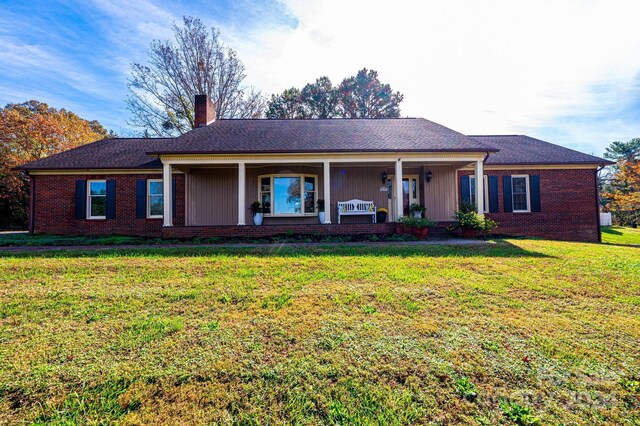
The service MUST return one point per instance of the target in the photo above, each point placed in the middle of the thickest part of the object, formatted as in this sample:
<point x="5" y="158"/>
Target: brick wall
<point x="568" y="206"/>
<point x="55" y="207"/>
<point x="567" y="197"/>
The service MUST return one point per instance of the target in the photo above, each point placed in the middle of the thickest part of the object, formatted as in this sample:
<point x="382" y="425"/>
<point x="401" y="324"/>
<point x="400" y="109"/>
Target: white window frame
<point x="89" y="196"/>
<point x="301" y="176"/>
<point x="527" y="188"/>
<point x="149" y="215"/>
<point x="472" y="192"/>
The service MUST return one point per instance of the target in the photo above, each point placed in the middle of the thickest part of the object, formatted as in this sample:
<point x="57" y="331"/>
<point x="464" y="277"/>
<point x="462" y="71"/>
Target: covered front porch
<point x="219" y="191"/>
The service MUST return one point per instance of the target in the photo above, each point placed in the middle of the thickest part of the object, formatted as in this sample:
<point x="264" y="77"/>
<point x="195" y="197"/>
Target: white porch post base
<point x="327" y="192"/>
<point x="167" y="196"/>
<point x="241" y="193"/>
<point x="480" y="186"/>
<point x="398" y="189"/>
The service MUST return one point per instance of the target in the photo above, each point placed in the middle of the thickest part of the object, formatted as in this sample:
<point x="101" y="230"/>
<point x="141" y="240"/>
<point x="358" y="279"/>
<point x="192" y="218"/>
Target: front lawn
<point x="620" y="235"/>
<point x="383" y="334"/>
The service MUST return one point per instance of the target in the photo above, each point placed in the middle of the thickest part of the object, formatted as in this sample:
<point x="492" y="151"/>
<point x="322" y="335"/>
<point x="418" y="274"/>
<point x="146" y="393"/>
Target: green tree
<point x="627" y="151"/>
<point x="320" y="99"/>
<point x="288" y="104"/>
<point x="359" y="96"/>
<point x="364" y="96"/>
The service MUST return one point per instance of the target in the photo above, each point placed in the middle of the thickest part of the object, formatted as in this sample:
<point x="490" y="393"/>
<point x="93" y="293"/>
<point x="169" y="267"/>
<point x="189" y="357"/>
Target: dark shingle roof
<point x="257" y="136"/>
<point x="119" y="153"/>
<point x="520" y="149"/>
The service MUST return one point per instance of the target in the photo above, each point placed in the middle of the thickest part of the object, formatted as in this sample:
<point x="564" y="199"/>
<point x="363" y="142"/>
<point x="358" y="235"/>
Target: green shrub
<point x="466" y="389"/>
<point x="472" y="220"/>
<point x="518" y="414"/>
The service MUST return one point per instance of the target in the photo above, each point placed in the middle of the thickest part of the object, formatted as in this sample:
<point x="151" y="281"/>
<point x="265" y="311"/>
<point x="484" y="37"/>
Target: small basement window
<point x="520" y="193"/>
<point x="155" y="204"/>
<point x="96" y="199"/>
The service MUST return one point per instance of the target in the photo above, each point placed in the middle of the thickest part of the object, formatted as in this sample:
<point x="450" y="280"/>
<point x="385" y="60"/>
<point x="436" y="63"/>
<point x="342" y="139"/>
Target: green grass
<point x="620" y="235"/>
<point x="516" y="332"/>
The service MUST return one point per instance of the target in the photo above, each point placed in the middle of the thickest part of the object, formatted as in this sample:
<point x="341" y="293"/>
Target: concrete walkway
<point x="446" y="241"/>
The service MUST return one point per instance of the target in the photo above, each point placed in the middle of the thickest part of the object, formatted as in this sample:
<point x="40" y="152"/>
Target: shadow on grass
<point x="500" y="248"/>
<point x="610" y="230"/>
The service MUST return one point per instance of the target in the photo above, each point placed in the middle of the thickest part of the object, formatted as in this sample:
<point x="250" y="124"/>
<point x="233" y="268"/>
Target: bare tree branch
<point x="161" y="94"/>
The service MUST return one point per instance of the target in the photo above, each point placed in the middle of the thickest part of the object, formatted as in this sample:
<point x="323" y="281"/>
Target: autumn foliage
<point x="28" y="132"/>
<point x="624" y="193"/>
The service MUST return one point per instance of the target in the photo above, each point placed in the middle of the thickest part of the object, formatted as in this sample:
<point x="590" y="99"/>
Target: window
<point x="288" y="195"/>
<point x="97" y="199"/>
<point x="472" y="192"/>
<point x="155" y="205"/>
<point x="265" y="194"/>
<point x="520" y="193"/>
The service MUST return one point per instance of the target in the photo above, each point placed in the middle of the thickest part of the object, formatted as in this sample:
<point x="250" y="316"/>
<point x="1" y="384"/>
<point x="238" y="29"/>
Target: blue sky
<point x="567" y="72"/>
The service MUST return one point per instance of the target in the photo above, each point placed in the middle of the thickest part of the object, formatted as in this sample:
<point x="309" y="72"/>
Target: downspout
<point x="32" y="204"/>
<point x="598" y="202"/>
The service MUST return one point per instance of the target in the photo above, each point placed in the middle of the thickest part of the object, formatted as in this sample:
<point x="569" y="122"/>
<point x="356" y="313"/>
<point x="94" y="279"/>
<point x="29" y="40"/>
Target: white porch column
<point x="241" y="192"/>
<point x="326" y="178"/>
<point x="167" y="196"/>
<point x="398" y="189"/>
<point x="480" y="186"/>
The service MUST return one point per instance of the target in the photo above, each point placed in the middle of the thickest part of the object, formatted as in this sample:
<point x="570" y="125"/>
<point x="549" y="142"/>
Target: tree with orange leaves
<point x="30" y="131"/>
<point x="624" y="193"/>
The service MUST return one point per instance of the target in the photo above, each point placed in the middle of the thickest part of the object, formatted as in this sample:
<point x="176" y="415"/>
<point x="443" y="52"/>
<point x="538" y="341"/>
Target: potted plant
<point x="320" y="207"/>
<point x="256" y="211"/>
<point x="404" y="225"/>
<point x="421" y="227"/>
<point x="381" y="215"/>
<point x="471" y="223"/>
<point x="416" y="210"/>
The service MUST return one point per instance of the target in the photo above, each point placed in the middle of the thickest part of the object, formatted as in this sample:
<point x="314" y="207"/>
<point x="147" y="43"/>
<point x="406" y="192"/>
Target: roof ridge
<point x="316" y="119"/>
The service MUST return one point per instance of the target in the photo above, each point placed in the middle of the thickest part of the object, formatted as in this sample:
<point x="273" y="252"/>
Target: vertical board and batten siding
<point x="251" y="193"/>
<point x="440" y="194"/>
<point x="361" y="182"/>
<point x="212" y="193"/>
<point x="212" y="196"/>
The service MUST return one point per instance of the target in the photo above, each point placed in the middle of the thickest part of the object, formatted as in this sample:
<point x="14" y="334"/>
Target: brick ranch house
<point x="210" y="176"/>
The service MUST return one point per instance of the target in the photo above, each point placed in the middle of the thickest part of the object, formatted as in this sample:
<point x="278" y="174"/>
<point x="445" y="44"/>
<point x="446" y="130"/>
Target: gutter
<point x="602" y="166"/>
<point x="32" y="203"/>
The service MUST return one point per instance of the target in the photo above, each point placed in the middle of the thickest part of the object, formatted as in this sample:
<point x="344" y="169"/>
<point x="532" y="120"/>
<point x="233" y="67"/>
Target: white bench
<point x="356" y="208"/>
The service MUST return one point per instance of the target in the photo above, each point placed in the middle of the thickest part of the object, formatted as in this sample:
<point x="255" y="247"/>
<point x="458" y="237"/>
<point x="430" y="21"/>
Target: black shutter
<point x="493" y="194"/>
<point x="508" y="198"/>
<point x="465" y="189"/>
<point x="173" y="198"/>
<point x="141" y="198"/>
<point x="111" y="199"/>
<point x="81" y="199"/>
<point x="534" y="182"/>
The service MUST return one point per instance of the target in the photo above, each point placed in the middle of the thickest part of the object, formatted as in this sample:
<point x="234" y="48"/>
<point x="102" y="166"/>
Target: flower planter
<point x="469" y="233"/>
<point x="420" y="233"/>
<point x="257" y="219"/>
<point x="417" y="214"/>
<point x="381" y="217"/>
<point x="321" y="217"/>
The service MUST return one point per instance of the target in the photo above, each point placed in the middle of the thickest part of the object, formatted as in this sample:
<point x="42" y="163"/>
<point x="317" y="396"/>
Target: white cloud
<point x="479" y="67"/>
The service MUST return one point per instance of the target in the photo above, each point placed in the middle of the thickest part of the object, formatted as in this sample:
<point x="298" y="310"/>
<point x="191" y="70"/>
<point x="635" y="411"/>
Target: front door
<point x="410" y="194"/>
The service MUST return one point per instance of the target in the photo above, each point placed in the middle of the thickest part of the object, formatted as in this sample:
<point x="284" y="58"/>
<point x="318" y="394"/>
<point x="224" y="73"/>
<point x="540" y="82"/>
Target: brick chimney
<point x="205" y="111"/>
